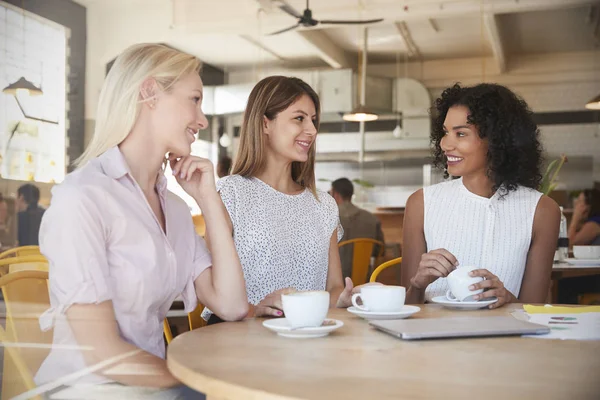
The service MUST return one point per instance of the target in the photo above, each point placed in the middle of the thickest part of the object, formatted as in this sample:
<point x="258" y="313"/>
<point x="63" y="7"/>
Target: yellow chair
<point x="195" y="318"/>
<point x="361" y="257"/>
<point x="26" y="298"/>
<point x="195" y="321"/>
<point x="383" y="266"/>
<point x="21" y="251"/>
<point x="30" y="262"/>
<point x="199" y="224"/>
<point x="12" y="354"/>
<point x="167" y="331"/>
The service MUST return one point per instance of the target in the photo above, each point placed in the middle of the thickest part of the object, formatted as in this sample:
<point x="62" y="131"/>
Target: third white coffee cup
<point x="459" y="282"/>
<point x="380" y="298"/>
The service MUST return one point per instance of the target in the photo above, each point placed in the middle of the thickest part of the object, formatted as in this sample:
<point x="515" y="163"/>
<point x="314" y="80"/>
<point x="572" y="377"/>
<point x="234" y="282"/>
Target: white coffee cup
<point x="586" y="252"/>
<point x="459" y="281"/>
<point x="380" y="298"/>
<point x="305" y="309"/>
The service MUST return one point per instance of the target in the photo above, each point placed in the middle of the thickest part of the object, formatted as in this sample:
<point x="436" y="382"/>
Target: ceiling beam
<point x="261" y="46"/>
<point x="434" y="25"/>
<point x="326" y="48"/>
<point x="491" y="23"/>
<point x="411" y="47"/>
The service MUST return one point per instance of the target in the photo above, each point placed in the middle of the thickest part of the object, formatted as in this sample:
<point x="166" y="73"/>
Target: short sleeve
<point x="202" y="261"/>
<point x="73" y="239"/>
<point x="333" y="213"/>
<point x="226" y="188"/>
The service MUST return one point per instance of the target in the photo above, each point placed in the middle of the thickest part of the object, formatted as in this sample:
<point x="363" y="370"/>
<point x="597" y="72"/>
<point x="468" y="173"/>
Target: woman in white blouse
<point x="492" y="217"/>
<point x="121" y="246"/>
<point x="285" y="230"/>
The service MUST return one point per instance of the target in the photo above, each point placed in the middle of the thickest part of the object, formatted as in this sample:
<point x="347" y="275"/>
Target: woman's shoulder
<point x="324" y="199"/>
<point x="232" y="182"/>
<point x="547" y="211"/>
<point x="87" y="182"/>
<point x="444" y="186"/>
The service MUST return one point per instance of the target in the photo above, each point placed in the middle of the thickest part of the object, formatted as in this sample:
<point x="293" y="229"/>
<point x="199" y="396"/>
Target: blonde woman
<point x="121" y="246"/>
<point x="285" y="230"/>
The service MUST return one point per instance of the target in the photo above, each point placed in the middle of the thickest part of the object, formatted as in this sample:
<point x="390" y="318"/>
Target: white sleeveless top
<point x="494" y="233"/>
<point x="282" y="240"/>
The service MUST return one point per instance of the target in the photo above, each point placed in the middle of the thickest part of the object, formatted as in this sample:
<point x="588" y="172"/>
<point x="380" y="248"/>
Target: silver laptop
<point x="455" y="327"/>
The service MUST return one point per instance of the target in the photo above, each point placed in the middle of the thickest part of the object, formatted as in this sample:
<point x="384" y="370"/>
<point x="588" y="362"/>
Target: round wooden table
<point x="244" y="360"/>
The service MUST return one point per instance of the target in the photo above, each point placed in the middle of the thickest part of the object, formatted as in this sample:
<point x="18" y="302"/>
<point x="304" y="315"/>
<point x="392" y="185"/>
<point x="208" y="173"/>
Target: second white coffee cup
<point x="459" y="281"/>
<point x="380" y="298"/>
<point x="305" y="309"/>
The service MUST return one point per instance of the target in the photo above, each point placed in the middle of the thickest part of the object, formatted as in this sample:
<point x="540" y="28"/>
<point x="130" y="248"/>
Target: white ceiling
<point x="231" y="33"/>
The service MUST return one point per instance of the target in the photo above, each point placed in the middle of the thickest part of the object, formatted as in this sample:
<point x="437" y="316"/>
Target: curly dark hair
<point x="504" y="119"/>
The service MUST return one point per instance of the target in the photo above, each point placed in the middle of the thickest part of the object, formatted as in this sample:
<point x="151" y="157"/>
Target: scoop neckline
<point x="279" y="192"/>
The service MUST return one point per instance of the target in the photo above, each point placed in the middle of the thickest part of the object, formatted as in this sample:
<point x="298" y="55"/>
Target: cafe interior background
<point x="546" y="51"/>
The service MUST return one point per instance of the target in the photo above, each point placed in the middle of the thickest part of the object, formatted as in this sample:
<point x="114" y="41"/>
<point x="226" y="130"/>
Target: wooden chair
<point x="383" y="266"/>
<point x="21" y="251"/>
<point x="26" y="298"/>
<point x="361" y="257"/>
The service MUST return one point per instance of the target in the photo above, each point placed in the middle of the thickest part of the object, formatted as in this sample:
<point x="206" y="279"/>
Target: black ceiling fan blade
<point x="354" y="22"/>
<point x="284" y="30"/>
<point x="286" y="8"/>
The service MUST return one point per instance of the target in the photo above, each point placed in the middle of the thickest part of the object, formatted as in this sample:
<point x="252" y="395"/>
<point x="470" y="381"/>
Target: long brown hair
<point x="268" y="98"/>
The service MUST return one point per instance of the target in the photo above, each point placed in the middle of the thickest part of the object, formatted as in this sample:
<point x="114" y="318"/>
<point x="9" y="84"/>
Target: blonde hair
<point x="119" y="103"/>
<point x="268" y="98"/>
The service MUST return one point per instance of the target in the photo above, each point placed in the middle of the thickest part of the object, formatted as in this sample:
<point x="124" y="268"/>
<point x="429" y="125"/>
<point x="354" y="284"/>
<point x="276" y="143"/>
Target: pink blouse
<point x="104" y="242"/>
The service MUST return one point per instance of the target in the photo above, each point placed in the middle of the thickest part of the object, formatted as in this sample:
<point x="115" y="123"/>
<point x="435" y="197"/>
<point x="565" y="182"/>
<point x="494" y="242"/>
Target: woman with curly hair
<point x="492" y="217"/>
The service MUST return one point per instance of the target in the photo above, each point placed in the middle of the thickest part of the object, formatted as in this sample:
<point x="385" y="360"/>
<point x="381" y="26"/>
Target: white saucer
<point x="282" y="327"/>
<point x="463" y="305"/>
<point x="580" y="261"/>
<point x="405" y="312"/>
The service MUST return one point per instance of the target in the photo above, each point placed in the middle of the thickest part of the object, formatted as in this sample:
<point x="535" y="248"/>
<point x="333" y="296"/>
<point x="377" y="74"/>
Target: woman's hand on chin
<point x="195" y="175"/>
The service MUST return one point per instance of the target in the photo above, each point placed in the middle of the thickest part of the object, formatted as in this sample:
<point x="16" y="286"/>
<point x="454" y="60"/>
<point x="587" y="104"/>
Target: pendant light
<point x="593" y="104"/>
<point x="22" y="86"/>
<point x="362" y="113"/>
<point x="397" y="132"/>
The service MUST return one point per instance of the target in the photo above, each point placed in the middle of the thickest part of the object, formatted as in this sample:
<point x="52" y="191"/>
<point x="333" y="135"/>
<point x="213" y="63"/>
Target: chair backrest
<point x="23" y="263"/>
<point x="195" y="318"/>
<point x="21" y="251"/>
<point x="195" y="321"/>
<point x="361" y="257"/>
<point x="199" y="224"/>
<point x="167" y="331"/>
<point x="26" y="298"/>
<point x="383" y="266"/>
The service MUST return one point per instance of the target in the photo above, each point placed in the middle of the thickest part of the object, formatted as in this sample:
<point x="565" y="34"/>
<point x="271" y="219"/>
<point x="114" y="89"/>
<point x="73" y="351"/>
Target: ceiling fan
<point x="306" y="18"/>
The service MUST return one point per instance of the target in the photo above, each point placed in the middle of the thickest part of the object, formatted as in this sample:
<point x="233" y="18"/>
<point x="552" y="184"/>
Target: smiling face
<point x="292" y="133"/>
<point x="465" y="151"/>
<point x="177" y="115"/>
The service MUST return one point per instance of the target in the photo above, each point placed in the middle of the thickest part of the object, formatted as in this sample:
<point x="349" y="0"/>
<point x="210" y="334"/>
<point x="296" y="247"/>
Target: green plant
<point x="548" y="184"/>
